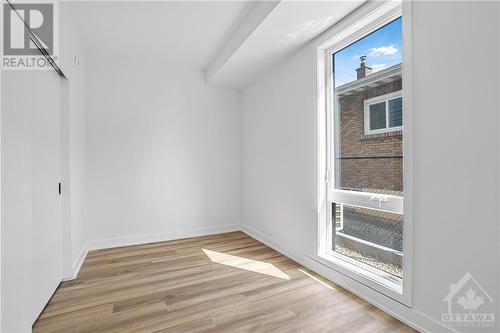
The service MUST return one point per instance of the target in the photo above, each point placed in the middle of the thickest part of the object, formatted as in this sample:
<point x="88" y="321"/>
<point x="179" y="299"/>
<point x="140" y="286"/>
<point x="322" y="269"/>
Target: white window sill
<point x="374" y="278"/>
<point x="382" y="135"/>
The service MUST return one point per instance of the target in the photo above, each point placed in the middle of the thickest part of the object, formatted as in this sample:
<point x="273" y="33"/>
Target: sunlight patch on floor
<point x="246" y="264"/>
<point x="317" y="280"/>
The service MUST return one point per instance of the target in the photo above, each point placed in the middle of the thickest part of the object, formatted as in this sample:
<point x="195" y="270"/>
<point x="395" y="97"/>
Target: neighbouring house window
<point x="384" y="113"/>
<point x="365" y="182"/>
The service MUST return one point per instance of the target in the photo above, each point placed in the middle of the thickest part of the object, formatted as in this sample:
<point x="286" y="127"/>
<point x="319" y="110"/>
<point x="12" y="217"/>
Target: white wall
<point x="73" y="139"/>
<point x="456" y="148"/>
<point x="163" y="153"/>
<point x="455" y="145"/>
<point x="1" y="186"/>
<point x="278" y="165"/>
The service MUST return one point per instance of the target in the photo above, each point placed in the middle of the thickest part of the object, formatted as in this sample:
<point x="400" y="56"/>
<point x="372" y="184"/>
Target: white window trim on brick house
<point x="375" y="100"/>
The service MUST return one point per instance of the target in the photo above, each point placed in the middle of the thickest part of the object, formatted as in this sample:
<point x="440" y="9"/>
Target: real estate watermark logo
<point x="28" y="35"/>
<point x="468" y="305"/>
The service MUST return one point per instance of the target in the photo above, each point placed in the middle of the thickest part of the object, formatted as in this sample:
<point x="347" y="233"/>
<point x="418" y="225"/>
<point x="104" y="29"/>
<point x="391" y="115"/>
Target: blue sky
<point x="382" y="48"/>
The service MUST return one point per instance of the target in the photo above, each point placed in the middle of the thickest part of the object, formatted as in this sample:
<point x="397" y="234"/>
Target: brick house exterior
<point x="368" y="162"/>
<point x="370" y="159"/>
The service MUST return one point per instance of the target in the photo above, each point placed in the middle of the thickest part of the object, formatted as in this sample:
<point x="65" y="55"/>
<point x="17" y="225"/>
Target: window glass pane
<point x="363" y="161"/>
<point x="377" y="116"/>
<point x="371" y="236"/>
<point x="396" y="112"/>
<point x="368" y="162"/>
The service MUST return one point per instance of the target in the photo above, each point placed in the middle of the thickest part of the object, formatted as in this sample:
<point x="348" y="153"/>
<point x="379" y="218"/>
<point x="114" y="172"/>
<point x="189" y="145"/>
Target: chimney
<point x="363" y="69"/>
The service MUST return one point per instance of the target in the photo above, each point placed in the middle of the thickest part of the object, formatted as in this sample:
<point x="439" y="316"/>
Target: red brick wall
<point x="368" y="161"/>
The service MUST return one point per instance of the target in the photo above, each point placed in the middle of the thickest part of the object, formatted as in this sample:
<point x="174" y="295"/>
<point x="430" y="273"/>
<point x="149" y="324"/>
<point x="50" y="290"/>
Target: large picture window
<point x="363" y="231"/>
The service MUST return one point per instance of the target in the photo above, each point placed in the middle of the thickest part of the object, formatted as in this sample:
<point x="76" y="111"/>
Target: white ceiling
<point x="235" y="41"/>
<point x="289" y="26"/>
<point x="182" y="33"/>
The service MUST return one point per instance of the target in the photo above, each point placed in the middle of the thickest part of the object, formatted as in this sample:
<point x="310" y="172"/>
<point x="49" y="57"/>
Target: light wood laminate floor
<point x="221" y="283"/>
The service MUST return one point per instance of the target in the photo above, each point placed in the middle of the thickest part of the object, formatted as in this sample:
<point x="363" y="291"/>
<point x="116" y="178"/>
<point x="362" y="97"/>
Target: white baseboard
<point x="159" y="237"/>
<point x="146" y="239"/>
<point x="79" y="262"/>
<point x="411" y="317"/>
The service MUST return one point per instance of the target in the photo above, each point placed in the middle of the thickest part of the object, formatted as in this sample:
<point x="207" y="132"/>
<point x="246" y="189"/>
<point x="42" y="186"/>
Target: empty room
<point x="250" y="166"/>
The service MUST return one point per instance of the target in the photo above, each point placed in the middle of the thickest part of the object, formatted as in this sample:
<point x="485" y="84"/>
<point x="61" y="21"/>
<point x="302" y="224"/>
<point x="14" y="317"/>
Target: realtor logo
<point x="467" y="301"/>
<point x="28" y="28"/>
<point x="27" y="19"/>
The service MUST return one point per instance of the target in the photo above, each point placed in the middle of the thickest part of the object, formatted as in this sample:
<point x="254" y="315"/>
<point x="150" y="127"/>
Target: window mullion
<point x="386" y="114"/>
<point x="377" y="201"/>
